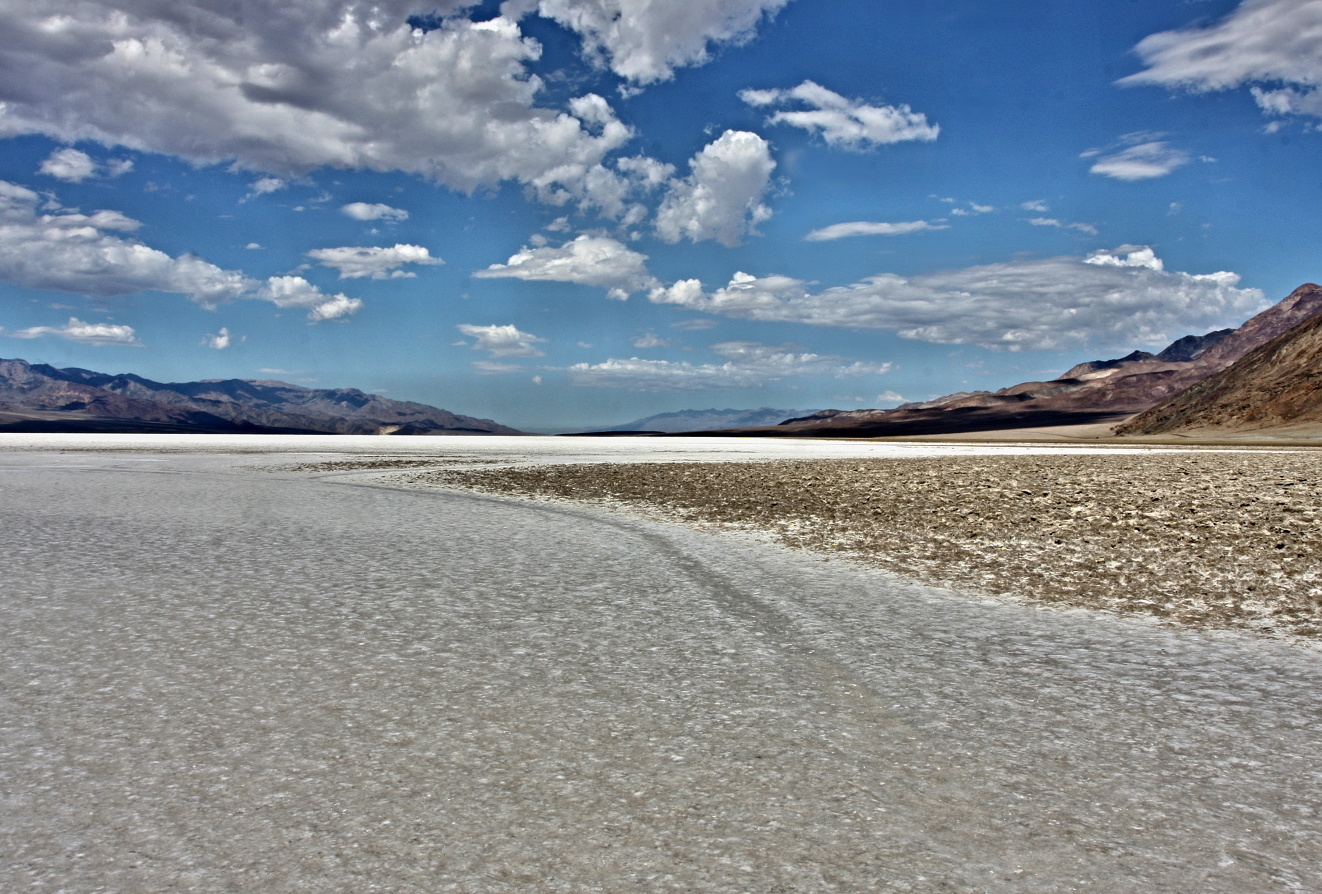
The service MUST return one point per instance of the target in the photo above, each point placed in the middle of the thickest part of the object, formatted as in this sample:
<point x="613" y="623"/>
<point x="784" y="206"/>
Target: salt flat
<point x="218" y="677"/>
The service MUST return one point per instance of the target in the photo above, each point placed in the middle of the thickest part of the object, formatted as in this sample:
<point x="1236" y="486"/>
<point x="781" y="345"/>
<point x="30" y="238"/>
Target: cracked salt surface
<point x="217" y="679"/>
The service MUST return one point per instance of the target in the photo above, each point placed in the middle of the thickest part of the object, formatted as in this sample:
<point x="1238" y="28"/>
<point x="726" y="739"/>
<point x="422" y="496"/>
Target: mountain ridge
<point x="40" y="397"/>
<point x="1276" y="385"/>
<point x="678" y="421"/>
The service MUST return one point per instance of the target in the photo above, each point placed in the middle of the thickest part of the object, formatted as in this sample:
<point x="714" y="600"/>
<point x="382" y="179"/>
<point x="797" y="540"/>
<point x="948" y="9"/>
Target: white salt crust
<point x="220" y="679"/>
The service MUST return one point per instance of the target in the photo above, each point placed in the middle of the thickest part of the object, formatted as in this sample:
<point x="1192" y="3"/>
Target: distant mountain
<point x="37" y="397"/>
<point x="1099" y="391"/>
<point x="708" y="420"/>
<point x="1277" y="385"/>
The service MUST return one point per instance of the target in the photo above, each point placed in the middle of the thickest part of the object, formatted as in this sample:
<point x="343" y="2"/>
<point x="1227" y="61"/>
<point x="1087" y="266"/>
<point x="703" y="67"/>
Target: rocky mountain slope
<point x="37" y="397"/>
<point x="1093" y="392"/>
<point x="1277" y="385"/>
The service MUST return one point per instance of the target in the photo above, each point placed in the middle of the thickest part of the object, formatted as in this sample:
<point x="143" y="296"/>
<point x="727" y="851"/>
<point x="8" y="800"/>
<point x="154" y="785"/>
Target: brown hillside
<point x="1277" y="384"/>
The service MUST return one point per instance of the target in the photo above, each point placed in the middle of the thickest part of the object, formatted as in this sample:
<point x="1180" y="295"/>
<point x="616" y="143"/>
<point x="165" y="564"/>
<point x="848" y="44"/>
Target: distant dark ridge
<point x="38" y="397"/>
<point x="610" y="434"/>
<point x="1192" y="346"/>
<point x="908" y="424"/>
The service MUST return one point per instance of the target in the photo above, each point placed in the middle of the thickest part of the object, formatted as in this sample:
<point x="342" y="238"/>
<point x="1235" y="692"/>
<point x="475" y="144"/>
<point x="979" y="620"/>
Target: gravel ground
<point x="1208" y="539"/>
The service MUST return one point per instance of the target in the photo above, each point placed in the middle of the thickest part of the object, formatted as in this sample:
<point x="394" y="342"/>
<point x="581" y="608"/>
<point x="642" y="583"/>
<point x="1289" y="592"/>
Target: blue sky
<point x="567" y="213"/>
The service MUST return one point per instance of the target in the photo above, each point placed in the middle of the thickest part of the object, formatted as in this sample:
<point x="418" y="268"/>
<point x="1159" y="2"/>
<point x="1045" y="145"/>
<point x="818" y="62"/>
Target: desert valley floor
<point x="279" y="664"/>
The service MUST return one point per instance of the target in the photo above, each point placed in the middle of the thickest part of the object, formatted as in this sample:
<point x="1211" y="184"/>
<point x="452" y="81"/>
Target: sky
<point x="564" y="214"/>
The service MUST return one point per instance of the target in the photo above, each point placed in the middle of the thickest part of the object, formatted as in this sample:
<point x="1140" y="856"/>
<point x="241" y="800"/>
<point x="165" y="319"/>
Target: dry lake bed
<point x="275" y="665"/>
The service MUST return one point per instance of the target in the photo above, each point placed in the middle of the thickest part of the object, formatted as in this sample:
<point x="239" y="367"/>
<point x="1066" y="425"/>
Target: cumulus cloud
<point x="1036" y="205"/>
<point x="845" y="123"/>
<point x="502" y="341"/>
<point x="746" y="365"/>
<point x="374" y="211"/>
<point x="220" y="341"/>
<point x="643" y="41"/>
<point x="75" y="166"/>
<point x="587" y="260"/>
<point x="84" y="333"/>
<point x="1260" y="43"/>
<point x="283" y="87"/>
<point x="69" y="165"/>
<point x="70" y="251"/>
<point x="74" y="252"/>
<point x="1141" y="159"/>
<point x="871" y="228"/>
<point x="1108" y="299"/>
<point x="297" y="292"/>
<point x="373" y="261"/>
<point x="721" y="198"/>
<point x="263" y="186"/>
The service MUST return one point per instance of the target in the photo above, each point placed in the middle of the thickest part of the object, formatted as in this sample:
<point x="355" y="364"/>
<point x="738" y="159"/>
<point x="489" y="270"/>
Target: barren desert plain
<point x="568" y="664"/>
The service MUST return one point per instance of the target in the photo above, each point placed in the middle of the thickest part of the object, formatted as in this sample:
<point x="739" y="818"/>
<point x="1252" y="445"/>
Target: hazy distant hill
<point x="37" y="397"/>
<point x="707" y="420"/>
<point x="1277" y="385"/>
<point x="1096" y="391"/>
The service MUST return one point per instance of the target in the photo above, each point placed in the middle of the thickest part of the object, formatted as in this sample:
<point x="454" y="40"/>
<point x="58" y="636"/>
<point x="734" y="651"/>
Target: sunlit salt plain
<point x="219" y="677"/>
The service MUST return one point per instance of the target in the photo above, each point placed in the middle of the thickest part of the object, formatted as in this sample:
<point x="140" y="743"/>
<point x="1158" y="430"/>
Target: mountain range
<point x="1098" y="391"/>
<point x="697" y="420"/>
<point x="1276" y="386"/>
<point x="41" y="398"/>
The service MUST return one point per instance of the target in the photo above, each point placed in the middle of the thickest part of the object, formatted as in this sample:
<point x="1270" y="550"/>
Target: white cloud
<point x="84" y="333"/>
<point x="696" y="324"/>
<point x="1140" y="161"/>
<point x="69" y="165"/>
<point x="870" y="228"/>
<point x="496" y="368"/>
<point x="295" y="291"/>
<point x="650" y="340"/>
<point x="971" y="208"/>
<point x="283" y="87"/>
<point x="1288" y="101"/>
<point x="645" y="40"/>
<point x="846" y="123"/>
<point x="1108" y="299"/>
<point x="890" y="397"/>
<point x="220" y="341"/>
<point x="1261" y="42"/>
<point x="75" y="166"/>
<point x="373" y="261"/>
<point x="1053" y="222"/>
<point x="1036" y="205"/>
<point x="721" y="198"/>
<point x="746" y="365"/>
<point x="375" y="211"/>
<point x="72" y="252"/>
<point x="587" y="260"/>
<point x="502" y="341"/>
<point x="264" y="186"/>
